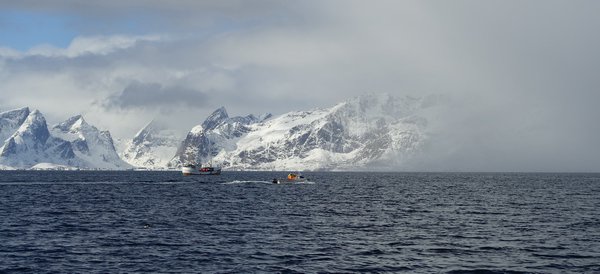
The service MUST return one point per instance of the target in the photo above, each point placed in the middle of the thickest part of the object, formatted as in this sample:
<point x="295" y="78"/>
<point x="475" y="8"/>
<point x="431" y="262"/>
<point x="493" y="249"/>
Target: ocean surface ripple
<point x="239" y="222"/>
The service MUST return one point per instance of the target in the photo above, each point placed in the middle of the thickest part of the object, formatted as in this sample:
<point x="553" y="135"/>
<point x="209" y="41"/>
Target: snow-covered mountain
<point x="28" y="142"/>
<point x="367" y="132"/>
<point x="370" y="132"/>
<point x="10" y="121"/>
<point x="94" y="147"/>
<point x="217" y="132"/>
<point x="152" y="147"/>
<point x="31" y="143"/>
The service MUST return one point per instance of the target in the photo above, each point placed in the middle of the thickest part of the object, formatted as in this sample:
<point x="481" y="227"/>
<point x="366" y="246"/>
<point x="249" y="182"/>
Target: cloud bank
<point x="520" y="75"/>
<point x="153" y="95"/>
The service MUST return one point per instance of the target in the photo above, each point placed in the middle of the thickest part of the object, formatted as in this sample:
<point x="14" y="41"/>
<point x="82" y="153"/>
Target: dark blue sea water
<point x="82" y="222"/>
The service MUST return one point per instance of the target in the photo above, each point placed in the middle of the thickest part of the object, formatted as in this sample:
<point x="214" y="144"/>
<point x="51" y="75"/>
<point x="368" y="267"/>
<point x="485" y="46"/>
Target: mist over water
<point x="509" y="133"/>
<point x="339" y="222"/>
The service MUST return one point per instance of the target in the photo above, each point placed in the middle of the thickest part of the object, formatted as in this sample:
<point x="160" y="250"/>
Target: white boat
<point x="191" y="169"/>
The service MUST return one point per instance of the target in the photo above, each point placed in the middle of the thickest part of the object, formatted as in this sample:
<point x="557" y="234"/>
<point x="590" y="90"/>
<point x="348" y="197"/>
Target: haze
<point x="520" y="77"/>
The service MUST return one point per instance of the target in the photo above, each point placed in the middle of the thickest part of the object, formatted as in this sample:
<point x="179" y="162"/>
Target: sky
<point x="522" y="76"/>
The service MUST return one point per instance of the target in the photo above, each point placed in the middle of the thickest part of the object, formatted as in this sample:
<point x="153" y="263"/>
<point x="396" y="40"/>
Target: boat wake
<point x="267" y="182"/>
<point x="246" y="182"/>
<point x="301" y="183"/>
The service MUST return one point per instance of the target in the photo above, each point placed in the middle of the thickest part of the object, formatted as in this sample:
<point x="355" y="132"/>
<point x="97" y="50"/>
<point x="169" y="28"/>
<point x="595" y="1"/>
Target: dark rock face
<point x="194" y="149"/>
<point x="64" y="150"/>
<point x="10" y="121"/>
<point x="81" y="145"/>
<point x="37" y="129"/>
<point x="215" y="119"/>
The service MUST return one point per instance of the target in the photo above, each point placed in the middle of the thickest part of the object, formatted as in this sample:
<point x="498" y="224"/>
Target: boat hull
<point x="187" y="171"/>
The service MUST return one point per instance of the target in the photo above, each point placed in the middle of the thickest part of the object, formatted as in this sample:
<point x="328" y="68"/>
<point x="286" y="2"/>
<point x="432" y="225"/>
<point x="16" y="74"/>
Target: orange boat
<point x="295" y="177"/>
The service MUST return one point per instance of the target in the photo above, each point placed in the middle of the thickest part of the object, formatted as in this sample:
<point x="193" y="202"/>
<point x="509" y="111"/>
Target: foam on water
<point x="246" y="182"/>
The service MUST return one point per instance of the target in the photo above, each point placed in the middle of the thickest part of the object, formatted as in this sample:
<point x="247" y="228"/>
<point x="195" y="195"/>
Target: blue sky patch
<point x="23" y="30"/>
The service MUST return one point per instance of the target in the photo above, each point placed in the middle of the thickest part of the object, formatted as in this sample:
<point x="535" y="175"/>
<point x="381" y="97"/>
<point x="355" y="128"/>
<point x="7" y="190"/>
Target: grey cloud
<point x="153" y="95"/>
<point x="523" y="75"/>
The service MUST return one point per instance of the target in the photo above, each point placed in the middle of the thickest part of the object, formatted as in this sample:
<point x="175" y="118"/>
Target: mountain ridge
<point x="368" y="132"/>
<point x="73" y="143"/>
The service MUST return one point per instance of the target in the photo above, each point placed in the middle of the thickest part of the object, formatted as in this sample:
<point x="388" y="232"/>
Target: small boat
<point x="292" y="177"/>
<point x="295" y="177"/>
<point x="191" y="169"/>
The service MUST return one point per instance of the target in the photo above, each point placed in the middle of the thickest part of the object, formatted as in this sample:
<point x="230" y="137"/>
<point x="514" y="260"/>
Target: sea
<point x="336" y="222"/>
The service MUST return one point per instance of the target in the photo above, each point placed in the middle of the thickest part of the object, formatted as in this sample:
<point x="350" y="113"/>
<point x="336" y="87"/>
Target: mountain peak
<point x="35" y="117"/>
<point x="34" y="126"/>
<point x="154" y="125"/>
<point x="221" y="109"/>
<point x="220" y="112"/>
<point x="152" y="147"/>
<point x="11" y="120"/>
<point x="376" y="130"/>
<point x="29" y="133"/>
<point x="145" y="132"/>
<point x="150" y="129"/>
<point x="19" y="112"/>
<point x="215" y="119"/>
<point x="73" y="142"/>
<point x="72" y="123"/>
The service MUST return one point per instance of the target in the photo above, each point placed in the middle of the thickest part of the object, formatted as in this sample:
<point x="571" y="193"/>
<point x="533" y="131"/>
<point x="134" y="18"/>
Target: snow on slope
<point x="152" y="147"/>
<point x="371" y="132"/>
<point x="11" y="120"/>
<point x="94" y="147"/>
<point x="73" y="143"/>
<point x="29" y="143"/>
<point x="51" y="166"/>
<point x="219" y="131"/>
<point x="367" y="132"/>
<point x="3" y="167"/>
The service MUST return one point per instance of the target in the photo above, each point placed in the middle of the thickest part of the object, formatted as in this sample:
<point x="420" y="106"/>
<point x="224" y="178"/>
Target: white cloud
<point x="8" y="53"/>
<point x="90" y="45"/>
